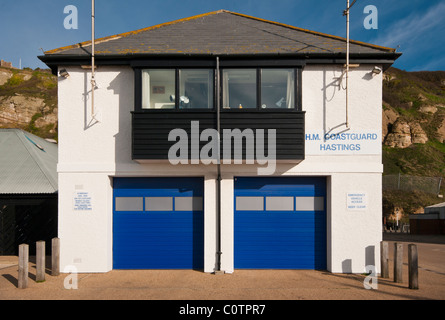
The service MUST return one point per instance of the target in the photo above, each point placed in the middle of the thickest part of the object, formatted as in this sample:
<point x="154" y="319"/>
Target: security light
<point x="376" y="70"/>
<point x="64" y="73"/>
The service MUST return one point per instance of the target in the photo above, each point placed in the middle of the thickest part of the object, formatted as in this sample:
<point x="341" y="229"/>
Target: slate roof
<point x="28" y="164"/>
<point x="219" y="33"/>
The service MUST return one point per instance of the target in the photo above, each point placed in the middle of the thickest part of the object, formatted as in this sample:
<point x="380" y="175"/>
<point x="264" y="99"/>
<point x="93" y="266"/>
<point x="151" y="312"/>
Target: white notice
<point x="82" y="201"/>
<point x="357" y="201"/>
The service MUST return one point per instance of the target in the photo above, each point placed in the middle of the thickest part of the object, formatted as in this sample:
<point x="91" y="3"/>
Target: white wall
<point x="353" y="235"/>
<point x="91" y="152"/>
<point x="85" y="235"/>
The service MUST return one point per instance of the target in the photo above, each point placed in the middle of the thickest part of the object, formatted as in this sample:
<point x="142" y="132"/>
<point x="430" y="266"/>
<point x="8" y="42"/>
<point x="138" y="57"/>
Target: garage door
<point x="158" y="223"/>
<point x="280" y="223"/>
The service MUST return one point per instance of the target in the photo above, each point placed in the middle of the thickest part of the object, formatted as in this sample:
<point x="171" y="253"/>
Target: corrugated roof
<point x="218" y="33"/>
<point x="28" y="164"/>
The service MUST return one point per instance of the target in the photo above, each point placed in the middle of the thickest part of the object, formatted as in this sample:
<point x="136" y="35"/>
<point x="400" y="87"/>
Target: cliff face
<point x="413" y="108"/>
<point x="28" y="100"/>
<point x="404" y="133"/>
<point x="413" y="135"/>
<point x="414" y="122"/>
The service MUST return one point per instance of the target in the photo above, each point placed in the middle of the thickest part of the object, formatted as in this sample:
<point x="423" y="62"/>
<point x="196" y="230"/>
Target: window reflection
<point x="196" y="89"/>
<point x="158" y="86"/>
<point x="239" y="88"/>
<point x="277" y="88"/>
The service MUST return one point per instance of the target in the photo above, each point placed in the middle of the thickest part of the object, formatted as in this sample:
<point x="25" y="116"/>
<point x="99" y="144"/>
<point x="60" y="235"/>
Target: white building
<point x="133" y="197"/>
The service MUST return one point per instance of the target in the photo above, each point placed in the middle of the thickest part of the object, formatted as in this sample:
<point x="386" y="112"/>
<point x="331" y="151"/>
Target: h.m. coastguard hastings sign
<point x="344" y="143"/>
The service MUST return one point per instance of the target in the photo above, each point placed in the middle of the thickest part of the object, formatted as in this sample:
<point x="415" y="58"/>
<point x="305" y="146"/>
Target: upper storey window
<point x="158" y="86"/>
<point x="196" y="89"/>
<point x="258" y="88"/>
<point x="241" y="88"/>
<point x="277" y="88"/>
<point x="177" y="89"/>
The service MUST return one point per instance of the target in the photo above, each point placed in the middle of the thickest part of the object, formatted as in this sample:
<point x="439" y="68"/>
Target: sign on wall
<point x="357" y="201"/>
<point x="82" y="201"/>
<point x="343" y="143"/>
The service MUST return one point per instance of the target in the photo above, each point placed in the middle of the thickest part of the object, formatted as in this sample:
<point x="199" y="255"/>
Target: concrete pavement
<point x="258" y="285"/>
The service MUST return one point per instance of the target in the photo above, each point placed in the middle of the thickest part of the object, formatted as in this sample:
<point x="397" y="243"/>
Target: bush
<point x="15" y="80"/>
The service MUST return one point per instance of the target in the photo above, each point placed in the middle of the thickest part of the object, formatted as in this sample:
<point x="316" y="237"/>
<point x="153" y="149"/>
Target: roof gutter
<point x="131" y="56"/>
<point x="139" y="59"/>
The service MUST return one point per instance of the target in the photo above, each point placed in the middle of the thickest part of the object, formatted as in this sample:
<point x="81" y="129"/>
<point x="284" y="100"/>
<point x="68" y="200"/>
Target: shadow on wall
<point x="88" y="120"/>
<point x="329" y="91"/>
<point x="346" y="265"/>
<point x="331" y="86"/>
<point x="123" y="86"/>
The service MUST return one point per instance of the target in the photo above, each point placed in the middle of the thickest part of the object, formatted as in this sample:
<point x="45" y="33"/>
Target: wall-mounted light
<point x="376" y="70"/>
<point x="64" y="73"/>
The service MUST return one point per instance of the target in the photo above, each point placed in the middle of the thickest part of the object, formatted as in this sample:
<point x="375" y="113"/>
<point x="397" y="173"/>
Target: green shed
<point x="28" y="190"/>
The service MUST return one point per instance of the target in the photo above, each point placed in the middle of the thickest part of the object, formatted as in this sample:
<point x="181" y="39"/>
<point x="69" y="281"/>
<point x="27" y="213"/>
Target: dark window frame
<point x="224" y="65"/>
<point x="138" y="90"/>
<point x="297" y="90"/>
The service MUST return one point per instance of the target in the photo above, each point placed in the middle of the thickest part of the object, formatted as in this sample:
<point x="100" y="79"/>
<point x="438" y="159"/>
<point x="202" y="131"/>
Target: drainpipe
<point x="218" y="165"/>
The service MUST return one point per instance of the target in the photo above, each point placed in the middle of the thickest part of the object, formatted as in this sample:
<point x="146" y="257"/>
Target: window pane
<point x="188" y="204"/>
<point x="279" y="203"/>
<point x="249" y="203"/>
<point x="277" y="88"/>
<point x="309" y="203"/>
<point x="196" y="89"/>
<point x="158" y="203"/>
<point x="239" y="88"/>
<point x="158" y="89"/>
<point x="128" y="204"/>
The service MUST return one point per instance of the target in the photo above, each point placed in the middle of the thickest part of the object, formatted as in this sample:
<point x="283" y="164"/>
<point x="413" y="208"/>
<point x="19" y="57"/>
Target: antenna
<point x="93" y="78"/>
<point x="346" y="13"/>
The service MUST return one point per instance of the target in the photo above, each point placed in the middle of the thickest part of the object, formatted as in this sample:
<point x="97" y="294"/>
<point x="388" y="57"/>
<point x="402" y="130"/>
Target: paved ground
<point x="241" y="285"/>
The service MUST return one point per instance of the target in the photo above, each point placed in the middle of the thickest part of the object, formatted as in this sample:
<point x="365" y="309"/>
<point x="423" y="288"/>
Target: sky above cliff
<point x="415" y="27"/>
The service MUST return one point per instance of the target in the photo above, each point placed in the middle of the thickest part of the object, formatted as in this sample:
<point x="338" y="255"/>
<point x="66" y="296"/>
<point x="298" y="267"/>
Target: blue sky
<point x="414" y="27"/>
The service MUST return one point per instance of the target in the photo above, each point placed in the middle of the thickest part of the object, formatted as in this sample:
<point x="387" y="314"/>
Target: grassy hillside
<point x="415" y="97"/>
<point x="28" y="100"/>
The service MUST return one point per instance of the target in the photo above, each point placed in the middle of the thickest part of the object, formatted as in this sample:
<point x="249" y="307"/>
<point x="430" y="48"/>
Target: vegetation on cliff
<point x="28" y="100"/>
<point x="414" y="134"/>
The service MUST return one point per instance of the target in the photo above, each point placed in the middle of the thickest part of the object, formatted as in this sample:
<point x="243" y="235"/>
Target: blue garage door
<point x="158" y="223"/>
<point x="280" y="223"/>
